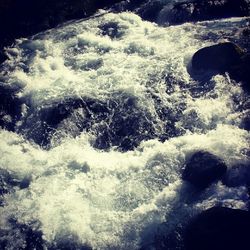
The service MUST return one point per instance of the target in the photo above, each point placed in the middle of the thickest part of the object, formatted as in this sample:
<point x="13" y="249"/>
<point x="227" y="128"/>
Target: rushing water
<point x="109" y="113"/>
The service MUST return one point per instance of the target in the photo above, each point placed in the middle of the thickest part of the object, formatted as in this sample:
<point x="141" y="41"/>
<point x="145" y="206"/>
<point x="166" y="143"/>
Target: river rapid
<point x="109" y="111"/>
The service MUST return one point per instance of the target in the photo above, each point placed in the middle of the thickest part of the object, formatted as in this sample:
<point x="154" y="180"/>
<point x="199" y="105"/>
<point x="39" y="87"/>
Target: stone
<point x="219" y="57"/>
<point x="10" y="107"/>
<point x="240" y="72"/>
<point x="218" y="228"/>
<point x="204" y="168"/>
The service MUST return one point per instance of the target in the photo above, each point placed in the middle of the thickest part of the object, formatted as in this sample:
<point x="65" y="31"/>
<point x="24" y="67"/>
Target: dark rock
<point x="240" y="72"/>
<point x="8" y="181"/>
<point x="3" y="57"/>
<point x="150" y="11"/>
<point x="10" y="107"/>
<point x="111" y="29"/>
<point x="117" y="122"/>
<point x="200" y="10"/>
<point x="245" y="124"/>
<point x="62" y="118"/>
<point x="238" y="175"/>
<point x="170" y="241"/>
<point x="203" y="168"/>
<point x="127" y="128"/>
<point x="127" y="5"/>
<point x="219" y="228"/>
<point x="21" y="236"/>
<point x="220" y="57"/>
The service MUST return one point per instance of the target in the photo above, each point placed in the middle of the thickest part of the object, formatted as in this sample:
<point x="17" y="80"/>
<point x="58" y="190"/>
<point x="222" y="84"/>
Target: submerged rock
<point x="219" y="228"/>
<point x="203" y="168"/>
<point x="10" y="107"/>
<point x="220" y="57"/>
<point x="21" y="236"/>
<point x="117" y="123"/>
<point x="65" y="118"/>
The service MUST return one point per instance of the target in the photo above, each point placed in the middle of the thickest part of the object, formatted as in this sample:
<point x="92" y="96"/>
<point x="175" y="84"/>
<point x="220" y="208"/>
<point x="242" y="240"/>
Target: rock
<point x="237" y="175"/>
<point x="200" y="10"/>
<point x="10" y="107"/>
<point x="240" y="72"/>
<point x="66" y="118"/>
<point x="203" y="168"/>
<point x="219" y="228"/>
<point x="220" y="57"/>
<point x="117" y="122"/>
<point x="111" y="29"/>
<point x="3" y="57"/>
<point x="127" y="128"/>
<point x="8" y="181"/>
<point x="245" y="123"/>
<point x="150" y="11"/>
<point x="24" y="236"/>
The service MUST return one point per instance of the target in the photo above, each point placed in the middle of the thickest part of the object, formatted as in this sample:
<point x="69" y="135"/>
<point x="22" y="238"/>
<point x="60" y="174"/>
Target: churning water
<point x="109" y="111"/>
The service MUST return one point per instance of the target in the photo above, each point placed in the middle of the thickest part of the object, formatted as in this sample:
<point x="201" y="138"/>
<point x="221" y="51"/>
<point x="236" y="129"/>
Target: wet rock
<point x="10" y="107"/>
<point x="8" y="181"/>
<point x="150" y="11"/>
<point x="128" y="127"/>
<point x="238" y="175"/>
<point x="220" y="57"/>
<point x="200" y="10"/>
<point x="125" y="5"/>
<point x="3" y="57"/>
<point x="240" y="72"/>
<point x="203" y="168"/>
<point x="119" y="122"/>
<point x="245" y="123"/>
<point x="111" y="29"/>
<point x="21" y="236"/>
<point x="170" y="241"/>
<point x="218" y="228"/>
<point x="58" y="120"/>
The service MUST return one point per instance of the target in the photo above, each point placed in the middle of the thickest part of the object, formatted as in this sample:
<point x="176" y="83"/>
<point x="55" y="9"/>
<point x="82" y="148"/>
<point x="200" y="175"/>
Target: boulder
<point x="218" y="228"/>
<point x="219" y="57"/>
<point x="151" y="10"/>
<point x="203" y="168"/>
<point x="60" y="119"/>
<point x="240" y="72"/>
<point x="200" y="10"/>
<point x="118" y="122"/>
<point x="237" y="175"/>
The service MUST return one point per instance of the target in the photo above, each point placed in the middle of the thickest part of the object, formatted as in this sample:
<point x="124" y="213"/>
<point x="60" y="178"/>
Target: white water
<point x="112" y="199"/>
